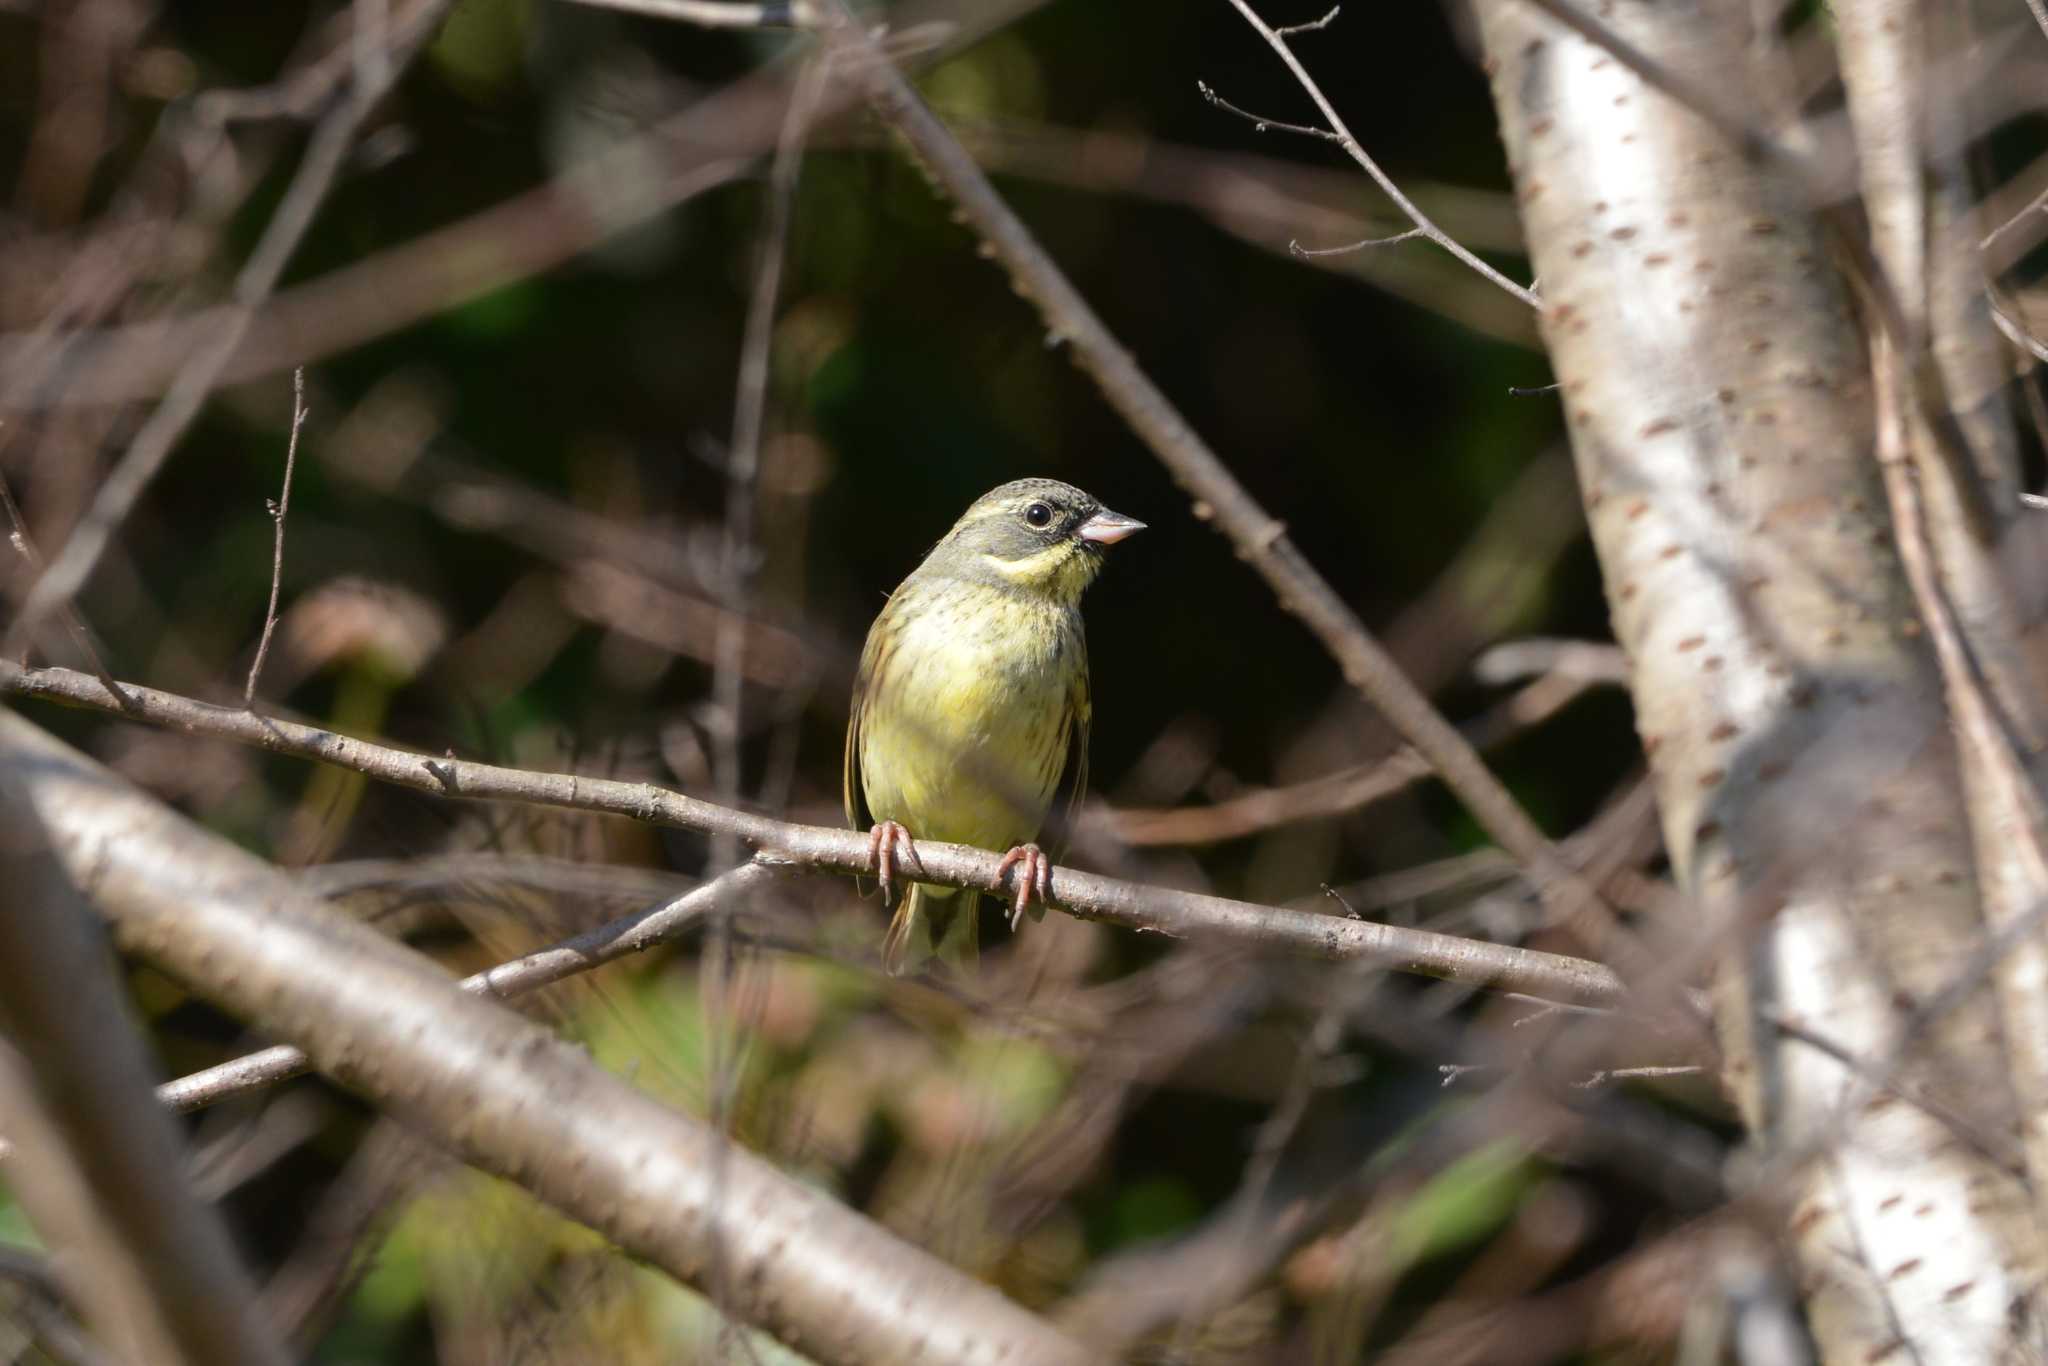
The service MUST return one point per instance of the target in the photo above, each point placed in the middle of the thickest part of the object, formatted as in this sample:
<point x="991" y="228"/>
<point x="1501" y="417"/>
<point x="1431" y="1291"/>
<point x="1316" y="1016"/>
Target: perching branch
<point x="501" y="1092"/>
<point x="1159" y="910"/>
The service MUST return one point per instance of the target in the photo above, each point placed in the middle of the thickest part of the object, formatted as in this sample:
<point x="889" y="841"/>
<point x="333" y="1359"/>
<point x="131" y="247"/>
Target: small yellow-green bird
<point x="972" y="702"/>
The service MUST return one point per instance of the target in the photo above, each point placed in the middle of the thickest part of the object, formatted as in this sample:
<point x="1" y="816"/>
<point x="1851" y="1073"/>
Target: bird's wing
<point x="1077" y="748"/>
<point x="1073" y="786"/>
<point x="854" y="791"/>
<point x="853" y="788"/>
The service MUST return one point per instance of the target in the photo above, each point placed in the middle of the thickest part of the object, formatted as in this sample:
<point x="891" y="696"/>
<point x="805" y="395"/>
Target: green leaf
<point x="1469" y="1199"/>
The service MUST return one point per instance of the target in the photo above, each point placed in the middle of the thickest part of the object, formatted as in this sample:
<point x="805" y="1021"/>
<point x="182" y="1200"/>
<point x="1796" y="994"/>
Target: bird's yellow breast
<point x="969" y="713"/>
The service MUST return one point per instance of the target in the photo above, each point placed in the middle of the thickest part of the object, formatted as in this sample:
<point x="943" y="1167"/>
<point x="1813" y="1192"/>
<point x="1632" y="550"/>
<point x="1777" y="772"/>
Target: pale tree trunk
<point x="1923" y="234"/>
<point x="1822" y="819"/>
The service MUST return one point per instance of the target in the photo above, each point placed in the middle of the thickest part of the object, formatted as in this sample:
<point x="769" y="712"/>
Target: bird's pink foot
<point x="888" y="845"/>
<point x="1034" y="878"/>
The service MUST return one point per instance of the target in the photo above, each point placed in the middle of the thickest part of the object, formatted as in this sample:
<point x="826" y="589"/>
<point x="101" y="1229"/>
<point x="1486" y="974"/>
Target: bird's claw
<point x="889" y="843"/>
<point x="1034" y="878"/>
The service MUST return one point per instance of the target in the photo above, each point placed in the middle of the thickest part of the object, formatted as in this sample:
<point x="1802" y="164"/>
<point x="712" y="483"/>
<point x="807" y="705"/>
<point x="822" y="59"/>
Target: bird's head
<point x="1036" y="535"/>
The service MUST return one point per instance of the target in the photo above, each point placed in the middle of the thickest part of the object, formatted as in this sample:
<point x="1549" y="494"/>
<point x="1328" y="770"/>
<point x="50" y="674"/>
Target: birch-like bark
<point x="504" y="1093"/>
<point x="1962" y="489"/>
<point x="1717" y="386"/>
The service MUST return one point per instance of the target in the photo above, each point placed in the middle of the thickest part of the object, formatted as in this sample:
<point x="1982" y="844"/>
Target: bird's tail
<point x="909" y="942"/>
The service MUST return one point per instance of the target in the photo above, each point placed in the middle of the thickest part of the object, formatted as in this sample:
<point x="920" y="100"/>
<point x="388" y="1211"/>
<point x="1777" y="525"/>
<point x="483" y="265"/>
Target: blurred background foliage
<point x="504" y="540"/>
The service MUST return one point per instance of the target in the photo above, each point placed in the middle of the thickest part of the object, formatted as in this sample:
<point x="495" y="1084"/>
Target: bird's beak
<point x="1107" y="528"/>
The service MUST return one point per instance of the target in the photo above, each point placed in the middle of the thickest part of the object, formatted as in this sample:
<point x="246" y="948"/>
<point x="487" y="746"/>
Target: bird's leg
<point x="889" y="843"/>
<point x="1034" y="878"/>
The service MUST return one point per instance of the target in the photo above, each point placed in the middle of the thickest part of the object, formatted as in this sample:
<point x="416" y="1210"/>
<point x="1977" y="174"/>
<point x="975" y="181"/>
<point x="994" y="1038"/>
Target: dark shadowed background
<point x="504" y="539"/>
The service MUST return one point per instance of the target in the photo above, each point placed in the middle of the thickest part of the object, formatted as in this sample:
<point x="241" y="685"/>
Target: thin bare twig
<point x="298" y="95"/>
<point x="1267" y="203"/>
<point x="2016" y="334"/>
<point x="1342" y="136"/>
<point x="1348" y="789"/>
<point x="742" y="491"/>
<point x="2038" y="204"/>
<point x="1595" y="661"/>
<point x="278" y="512"/>
<point x="1312" y="26"/>
<point x="25" y="544"/>
<point x="2004" y="806"/>
<point x="1455" y="1072"/>
<point x="1295" y="248"/>
<point x="1259" y="122"/>
<point x="1883" y="1076"/>
<point x="709" y="144"/>
<point x="1343" y="994"/>
<point x="1614" y="1074"/>
<point x="719" y="13"/>
<point x="1549" y="1010"/>
<point x="1158" y="910"/>
<point x="742" y="465"/>
<point x="1604" y="850"/>
<point x="1205" y="1281"/>
<point x="635" y="933"/>
<point x="195" y="380"/>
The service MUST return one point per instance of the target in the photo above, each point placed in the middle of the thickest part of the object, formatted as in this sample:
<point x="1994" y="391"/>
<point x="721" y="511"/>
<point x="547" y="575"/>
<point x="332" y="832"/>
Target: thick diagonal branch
<point x="503" y="1093"/>
<point x="97" y="1167"/>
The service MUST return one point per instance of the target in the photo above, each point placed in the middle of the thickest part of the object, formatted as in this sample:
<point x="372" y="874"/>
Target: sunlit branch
<point x="1158" y="910"/>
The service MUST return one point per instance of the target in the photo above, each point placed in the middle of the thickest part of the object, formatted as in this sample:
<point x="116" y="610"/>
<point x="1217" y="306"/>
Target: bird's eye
<point x="1038" y="514"/>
